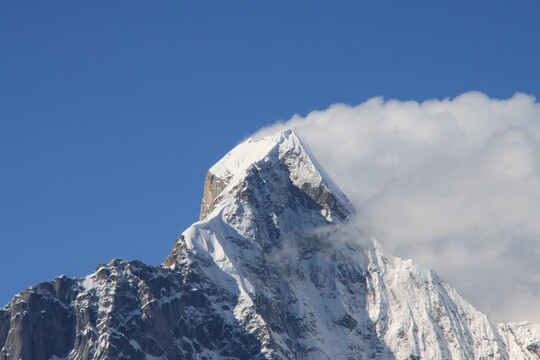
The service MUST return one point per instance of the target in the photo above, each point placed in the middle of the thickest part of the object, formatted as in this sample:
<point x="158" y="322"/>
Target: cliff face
<point x="213" y="186"/>
<point x="265" y="274"/>
<point x="124" y="310"/>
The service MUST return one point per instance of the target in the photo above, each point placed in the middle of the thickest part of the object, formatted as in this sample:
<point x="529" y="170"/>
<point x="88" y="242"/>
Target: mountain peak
<point x="284" y="150"/>
<point x="250" y="151"/>
<point x="262" y="276"/>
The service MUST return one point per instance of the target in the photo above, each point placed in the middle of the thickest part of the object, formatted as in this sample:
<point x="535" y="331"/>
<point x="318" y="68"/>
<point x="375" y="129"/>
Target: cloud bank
<point x="453" y="184"/>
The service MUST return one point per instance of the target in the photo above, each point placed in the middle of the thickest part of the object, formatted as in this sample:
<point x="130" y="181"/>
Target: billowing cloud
<point x="453" y="183"/>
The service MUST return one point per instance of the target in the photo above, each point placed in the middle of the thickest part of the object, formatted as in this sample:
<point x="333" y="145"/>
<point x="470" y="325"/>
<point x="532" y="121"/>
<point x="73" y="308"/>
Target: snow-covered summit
<point x="257" y="199"/>
<point x="284" y="150"/>
<point x="284" y="144"/>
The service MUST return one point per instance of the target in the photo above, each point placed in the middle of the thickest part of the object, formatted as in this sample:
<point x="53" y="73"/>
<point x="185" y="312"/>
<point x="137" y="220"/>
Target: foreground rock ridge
<point x="269" y="272"/>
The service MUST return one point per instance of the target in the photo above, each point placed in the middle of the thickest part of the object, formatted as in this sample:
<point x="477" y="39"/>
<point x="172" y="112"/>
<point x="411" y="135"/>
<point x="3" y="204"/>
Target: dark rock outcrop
<point x="124" y="310"/>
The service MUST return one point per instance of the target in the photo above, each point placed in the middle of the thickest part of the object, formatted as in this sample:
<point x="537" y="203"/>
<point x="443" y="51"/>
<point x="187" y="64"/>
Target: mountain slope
<point x="267" y="272"/>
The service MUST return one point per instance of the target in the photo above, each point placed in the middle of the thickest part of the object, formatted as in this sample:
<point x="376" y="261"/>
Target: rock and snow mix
<point x="265" y="274"/>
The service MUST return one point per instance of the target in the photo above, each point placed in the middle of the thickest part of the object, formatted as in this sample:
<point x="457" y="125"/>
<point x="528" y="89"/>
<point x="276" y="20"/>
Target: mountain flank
<point x="264" y="274"/>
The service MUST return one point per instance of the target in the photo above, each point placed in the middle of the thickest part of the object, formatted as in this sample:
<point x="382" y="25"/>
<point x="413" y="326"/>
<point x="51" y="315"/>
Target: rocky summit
<point x="267" y="273"/>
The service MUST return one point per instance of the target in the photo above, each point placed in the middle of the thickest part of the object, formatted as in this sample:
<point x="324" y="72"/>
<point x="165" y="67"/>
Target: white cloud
<point x="453" y="183"/>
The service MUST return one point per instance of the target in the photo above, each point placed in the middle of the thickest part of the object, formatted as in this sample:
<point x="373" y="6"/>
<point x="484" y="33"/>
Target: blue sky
<point x="111" y="112"/>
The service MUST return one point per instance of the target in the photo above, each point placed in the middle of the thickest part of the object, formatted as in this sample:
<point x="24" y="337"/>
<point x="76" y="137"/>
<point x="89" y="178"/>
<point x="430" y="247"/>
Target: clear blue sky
<point x="111" y="112"/>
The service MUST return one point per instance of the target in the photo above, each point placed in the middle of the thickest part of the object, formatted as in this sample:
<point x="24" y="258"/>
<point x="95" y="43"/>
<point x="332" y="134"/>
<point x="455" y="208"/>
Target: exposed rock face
<point x="48" y="323"/>
<point x="265" y="274"/>
<point x="213" y="186"/>
<point x="124" y="310"/>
